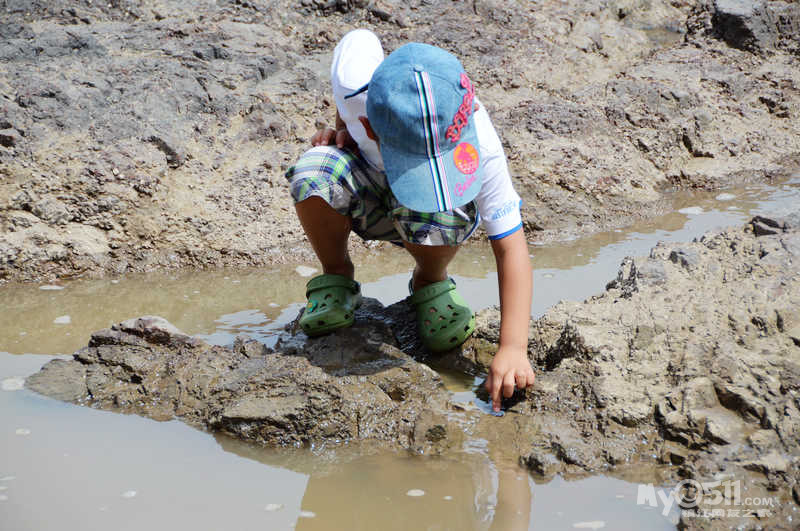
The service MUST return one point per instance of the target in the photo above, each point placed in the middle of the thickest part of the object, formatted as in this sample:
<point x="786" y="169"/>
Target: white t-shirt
<point x="355" y="59"/>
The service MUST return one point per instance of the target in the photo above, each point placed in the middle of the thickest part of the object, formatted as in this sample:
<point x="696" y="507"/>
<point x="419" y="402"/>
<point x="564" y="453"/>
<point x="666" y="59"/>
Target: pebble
<point x="273" y="305"/>
<point x="64" y="319"/>
<point x="23" y="431"/>
<point x="448" y="498"/>
<point x="305" y="271"/>
<point x="596" y="524"/>
<point x="129" y="494"/>
<point x="12" y="384"/>
<point x="307" y="514"/>
<point x="51" y="287"/>
<point x="695" y="210"/>
<point x="725" y="197"/>
<point x="271" y="507"/>
<point x="415" y="493"/>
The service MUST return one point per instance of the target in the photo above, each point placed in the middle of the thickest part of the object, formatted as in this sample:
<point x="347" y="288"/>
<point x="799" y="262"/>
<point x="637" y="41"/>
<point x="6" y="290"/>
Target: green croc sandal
<point x="444" y="320"/>
<point x="332" y="302"/>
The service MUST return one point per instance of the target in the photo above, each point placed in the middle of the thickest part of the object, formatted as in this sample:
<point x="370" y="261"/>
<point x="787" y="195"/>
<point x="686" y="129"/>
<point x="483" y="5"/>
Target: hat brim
<point x="413" y="178"/>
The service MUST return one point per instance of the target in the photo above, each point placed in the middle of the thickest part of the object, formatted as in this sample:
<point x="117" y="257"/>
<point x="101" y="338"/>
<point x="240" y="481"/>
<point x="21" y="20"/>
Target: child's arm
<point x="510" y="366"/>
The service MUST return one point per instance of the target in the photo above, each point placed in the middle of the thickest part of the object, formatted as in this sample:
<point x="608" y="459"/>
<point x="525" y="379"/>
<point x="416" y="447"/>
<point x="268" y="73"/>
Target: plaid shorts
<point x="355" y="189"/>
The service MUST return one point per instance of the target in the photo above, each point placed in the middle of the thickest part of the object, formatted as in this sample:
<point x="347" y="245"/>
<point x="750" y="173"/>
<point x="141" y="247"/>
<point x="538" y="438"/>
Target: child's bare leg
<point x="327" y="230"/>
<point x="432" y="261"/>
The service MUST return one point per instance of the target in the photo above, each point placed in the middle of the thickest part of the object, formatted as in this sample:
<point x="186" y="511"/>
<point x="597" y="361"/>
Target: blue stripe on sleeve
<point x="506" y="233"/>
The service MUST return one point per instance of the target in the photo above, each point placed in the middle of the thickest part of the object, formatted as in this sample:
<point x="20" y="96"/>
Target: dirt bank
<point x="142" y="135"/>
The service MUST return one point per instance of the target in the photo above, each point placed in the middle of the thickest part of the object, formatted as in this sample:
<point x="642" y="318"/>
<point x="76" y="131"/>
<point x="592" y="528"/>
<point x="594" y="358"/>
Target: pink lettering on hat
<point x="463" y="187"/>
<point x="461" y="118"/>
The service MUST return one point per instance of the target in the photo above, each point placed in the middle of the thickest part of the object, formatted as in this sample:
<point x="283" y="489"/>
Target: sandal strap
<point x="332" y="281"/>
<point x="431" y="291"/>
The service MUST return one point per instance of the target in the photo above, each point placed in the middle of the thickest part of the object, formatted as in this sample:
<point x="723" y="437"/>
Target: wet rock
<point x="630" y="413"/>
<point x="764" y="440"/>
<point x="153" y="329"/>
<point x="542" y="463"/>
<point x="674" y="454"/>
<point x="744" y="24"/>
<point x="716" y="425"/>
<point x="764" y="226"/>
<point x="755" y="25"/>
<point x="9" y="138"/>
<point x="350" y="386"/>
<point x="687" y="258"/>
<point x="763" y="229"/>
<point x="769" y="464"/>
<point x="434" y="433"/>
<point x="559" y="119"/>
<point x="51" y="210"/>
<point x="211" y="52"/>
<point x="63" y="380"/>
<point x="171" y="149"/>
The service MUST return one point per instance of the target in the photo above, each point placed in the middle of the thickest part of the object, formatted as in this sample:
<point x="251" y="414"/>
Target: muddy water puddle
<point x="66" y="467"/>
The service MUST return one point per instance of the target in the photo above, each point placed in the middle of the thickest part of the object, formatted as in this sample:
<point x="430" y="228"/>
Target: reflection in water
<point x="356" y="488"/>
<point x="361" y="488"/>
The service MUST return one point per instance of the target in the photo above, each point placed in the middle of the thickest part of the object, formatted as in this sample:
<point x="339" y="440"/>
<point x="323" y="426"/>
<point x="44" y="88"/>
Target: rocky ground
<point x="154" y="134"/>
<point x="688" y="364"/>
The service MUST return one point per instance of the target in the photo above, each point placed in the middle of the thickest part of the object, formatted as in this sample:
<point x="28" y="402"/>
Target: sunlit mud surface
<point x="68" y="468"/>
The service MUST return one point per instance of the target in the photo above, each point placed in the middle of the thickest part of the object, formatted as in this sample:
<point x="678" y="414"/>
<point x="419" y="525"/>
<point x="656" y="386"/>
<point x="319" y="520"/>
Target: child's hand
<point x="510" y="368"/>
<point x="328" y="136"/>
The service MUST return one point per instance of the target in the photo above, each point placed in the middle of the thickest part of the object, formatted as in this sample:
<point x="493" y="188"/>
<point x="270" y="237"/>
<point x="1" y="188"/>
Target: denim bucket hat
<point x="419" y="104"/>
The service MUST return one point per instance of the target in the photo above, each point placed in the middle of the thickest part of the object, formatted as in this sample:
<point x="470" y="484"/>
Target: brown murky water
<point x="66" y="467"/>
